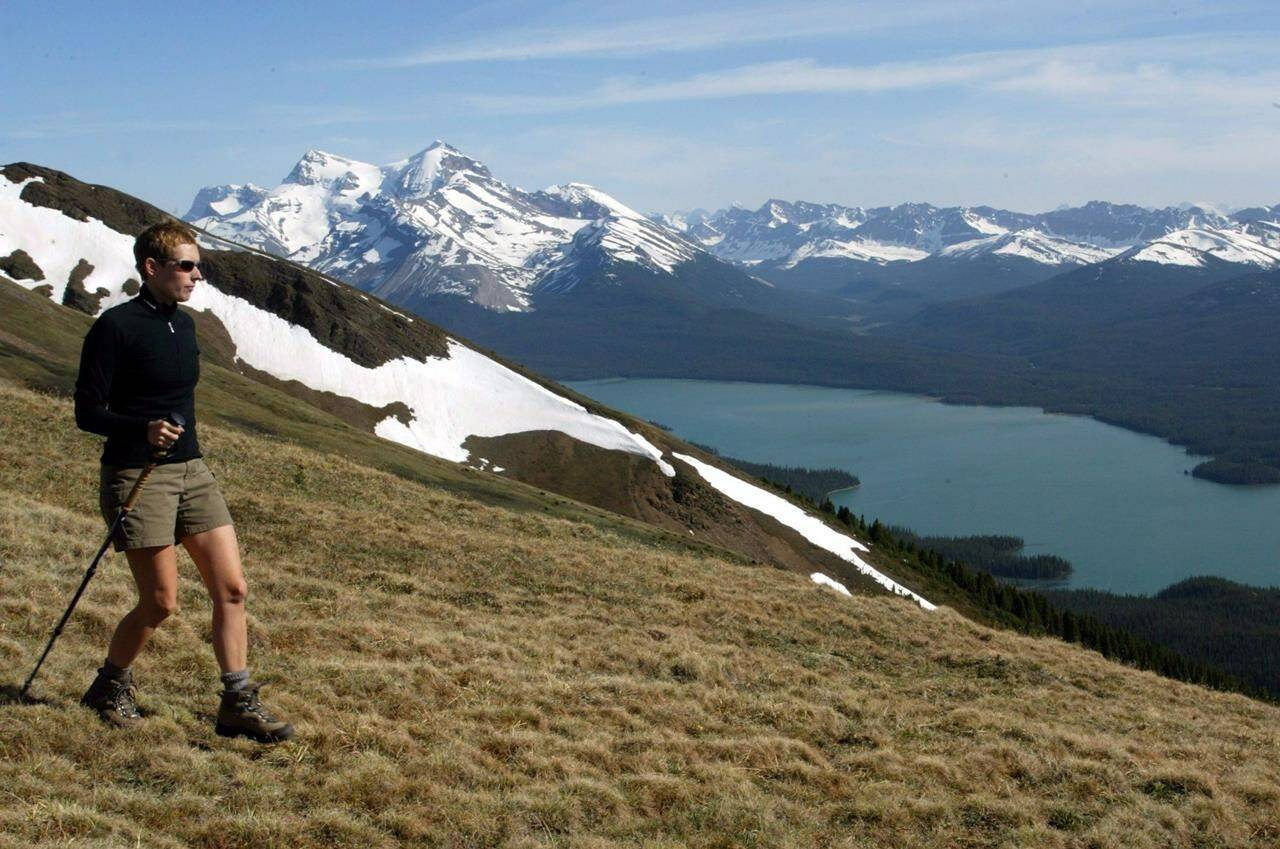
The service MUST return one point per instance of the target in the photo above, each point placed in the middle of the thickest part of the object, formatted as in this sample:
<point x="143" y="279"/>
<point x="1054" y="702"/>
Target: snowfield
<point x="808" y="526"/>
<point x="57" y="243"/>
<point x="854" y="249"/>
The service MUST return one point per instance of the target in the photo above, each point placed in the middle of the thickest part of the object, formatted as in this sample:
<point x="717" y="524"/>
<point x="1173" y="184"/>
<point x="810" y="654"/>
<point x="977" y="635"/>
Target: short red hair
<point x="158" y="242"/>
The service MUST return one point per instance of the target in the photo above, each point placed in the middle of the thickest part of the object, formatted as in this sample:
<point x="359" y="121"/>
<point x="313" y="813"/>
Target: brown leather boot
<point x="242" y="715"/>
<point x="113" y="700"/>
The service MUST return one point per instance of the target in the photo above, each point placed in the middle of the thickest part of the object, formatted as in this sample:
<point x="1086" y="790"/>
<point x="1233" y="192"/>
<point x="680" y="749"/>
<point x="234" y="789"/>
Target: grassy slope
<point x="466" y="675"/>
<point x="39" y="346"/>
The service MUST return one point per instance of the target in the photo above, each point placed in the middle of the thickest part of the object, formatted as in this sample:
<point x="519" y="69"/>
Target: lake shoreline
<point x="1119" y="504"/>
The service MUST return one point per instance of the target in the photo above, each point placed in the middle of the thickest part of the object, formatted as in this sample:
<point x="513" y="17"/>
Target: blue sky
<point x="666" y="105"/>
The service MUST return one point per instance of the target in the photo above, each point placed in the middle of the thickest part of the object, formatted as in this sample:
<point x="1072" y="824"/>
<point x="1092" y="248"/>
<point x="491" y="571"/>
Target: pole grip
<point x="136" y="491"/>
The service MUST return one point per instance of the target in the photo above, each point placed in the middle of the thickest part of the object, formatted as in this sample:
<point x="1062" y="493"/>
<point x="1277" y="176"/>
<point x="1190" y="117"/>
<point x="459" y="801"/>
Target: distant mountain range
<point x="437" y="228"/>
<point x="888" y="263"/>
<point x="1063" y="309"/>
<point x="785" y="234"/>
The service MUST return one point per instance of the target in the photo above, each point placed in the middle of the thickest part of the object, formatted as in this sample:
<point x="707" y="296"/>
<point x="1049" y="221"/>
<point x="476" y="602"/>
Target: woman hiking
<point x="140" y="362"/>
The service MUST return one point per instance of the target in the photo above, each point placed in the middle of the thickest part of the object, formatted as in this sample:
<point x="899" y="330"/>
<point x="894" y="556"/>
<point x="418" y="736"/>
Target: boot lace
<point x="252" y="705"/>
<point x="122" y="698"/>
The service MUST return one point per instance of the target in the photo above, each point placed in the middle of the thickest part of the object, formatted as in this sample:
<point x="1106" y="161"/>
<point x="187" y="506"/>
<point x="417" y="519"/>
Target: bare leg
<point x="155" y="571"/>
<point x="216" y="554"/>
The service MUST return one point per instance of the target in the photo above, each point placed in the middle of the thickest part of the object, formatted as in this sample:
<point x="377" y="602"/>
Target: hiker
<point x="140" y="363"/>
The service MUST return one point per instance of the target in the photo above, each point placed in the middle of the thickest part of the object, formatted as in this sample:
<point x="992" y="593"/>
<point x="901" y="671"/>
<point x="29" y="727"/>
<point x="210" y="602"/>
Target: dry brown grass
<point x="461" y="675"/>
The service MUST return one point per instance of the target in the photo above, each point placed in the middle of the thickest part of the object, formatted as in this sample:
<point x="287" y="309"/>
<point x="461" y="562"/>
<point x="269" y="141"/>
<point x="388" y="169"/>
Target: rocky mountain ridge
<point x="439" y="223"/>
<point x="785" y="234"/>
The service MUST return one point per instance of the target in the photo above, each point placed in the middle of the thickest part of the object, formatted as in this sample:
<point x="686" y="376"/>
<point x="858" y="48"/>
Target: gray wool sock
<point x="115" y="673"/>
<point x="232" y="681"/>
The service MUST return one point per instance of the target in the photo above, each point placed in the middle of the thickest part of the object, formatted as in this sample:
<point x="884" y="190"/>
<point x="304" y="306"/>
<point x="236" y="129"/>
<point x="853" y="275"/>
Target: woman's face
<point x="169" y="283"/>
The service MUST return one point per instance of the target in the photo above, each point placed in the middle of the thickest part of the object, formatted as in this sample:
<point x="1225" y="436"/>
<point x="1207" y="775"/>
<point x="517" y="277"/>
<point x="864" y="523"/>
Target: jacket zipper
<point x="177" y="351"/>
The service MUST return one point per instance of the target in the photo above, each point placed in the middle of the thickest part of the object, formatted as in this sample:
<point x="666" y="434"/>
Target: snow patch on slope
<point x="982" y="225"/>
<point x="1165" y="254"/>
<point x="810" y="527"/>
<point x="466" y="394"/>
<point x="583" y="195"/>
<point x="56" y="243"/>
<point x="827" y="581"/>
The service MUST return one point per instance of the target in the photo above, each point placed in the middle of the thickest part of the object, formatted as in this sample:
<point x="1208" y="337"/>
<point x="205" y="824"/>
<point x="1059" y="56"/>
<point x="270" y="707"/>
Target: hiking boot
<point x="242" y="715"/>
<point x="113" y="700"/>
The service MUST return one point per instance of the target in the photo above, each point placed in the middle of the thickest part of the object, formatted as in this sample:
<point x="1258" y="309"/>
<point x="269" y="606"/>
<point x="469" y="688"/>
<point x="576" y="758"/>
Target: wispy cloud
<point x="327" y="115"/>
<point x="58" y="125"/>
<point x="66" y="125"/>
<point x="703" y="31"/>
<point x="1140" y="72"/>
<point x="794" y="76"/>
<point x="1154" y="85"/>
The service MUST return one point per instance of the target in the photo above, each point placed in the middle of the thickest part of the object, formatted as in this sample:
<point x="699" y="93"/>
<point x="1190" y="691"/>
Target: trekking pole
<point x="134" y="494"/>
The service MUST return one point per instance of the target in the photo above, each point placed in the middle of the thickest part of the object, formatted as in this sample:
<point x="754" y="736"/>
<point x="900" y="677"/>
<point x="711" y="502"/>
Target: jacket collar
<point x="153" y="305"/>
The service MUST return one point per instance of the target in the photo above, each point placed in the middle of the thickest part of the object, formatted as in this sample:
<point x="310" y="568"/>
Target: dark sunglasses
<point x="187" y="265"/>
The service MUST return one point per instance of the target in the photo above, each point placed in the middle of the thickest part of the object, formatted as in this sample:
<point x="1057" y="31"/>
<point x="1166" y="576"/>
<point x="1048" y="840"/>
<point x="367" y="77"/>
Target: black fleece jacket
<point x="140" y="362"/>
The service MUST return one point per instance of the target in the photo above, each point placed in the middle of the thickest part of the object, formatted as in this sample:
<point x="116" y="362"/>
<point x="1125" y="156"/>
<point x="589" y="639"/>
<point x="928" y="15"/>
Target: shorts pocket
<point x="113" y="488"/>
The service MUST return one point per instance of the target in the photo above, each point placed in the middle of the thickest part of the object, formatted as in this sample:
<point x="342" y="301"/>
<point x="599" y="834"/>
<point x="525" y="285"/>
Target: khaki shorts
<point x="179" y="499"/>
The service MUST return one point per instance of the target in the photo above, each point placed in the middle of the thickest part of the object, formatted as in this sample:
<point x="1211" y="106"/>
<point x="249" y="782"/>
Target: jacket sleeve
<point x="93" y="386"/>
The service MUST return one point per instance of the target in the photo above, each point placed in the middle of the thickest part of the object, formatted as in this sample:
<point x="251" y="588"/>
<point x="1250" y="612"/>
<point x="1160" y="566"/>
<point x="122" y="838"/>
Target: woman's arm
<point x="93" y="387"/>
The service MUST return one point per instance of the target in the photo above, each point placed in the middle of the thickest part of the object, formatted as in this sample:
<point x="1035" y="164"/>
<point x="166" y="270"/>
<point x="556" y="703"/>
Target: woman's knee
<point x="234" y="592"/>
<point x="158" y="608"/>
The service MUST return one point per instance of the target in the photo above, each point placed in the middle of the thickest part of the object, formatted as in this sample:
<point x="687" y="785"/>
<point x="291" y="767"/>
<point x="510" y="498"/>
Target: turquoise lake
<point x="1117" y="504"/>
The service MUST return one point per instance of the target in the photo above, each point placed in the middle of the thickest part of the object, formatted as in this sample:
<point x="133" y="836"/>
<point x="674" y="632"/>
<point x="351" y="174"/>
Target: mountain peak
<point x="776" y="210"/>
<point x="225" y="200"/>
<point x="433" y="167"/>
<point x="320" y="167"/>
<point x="592" y="201"/>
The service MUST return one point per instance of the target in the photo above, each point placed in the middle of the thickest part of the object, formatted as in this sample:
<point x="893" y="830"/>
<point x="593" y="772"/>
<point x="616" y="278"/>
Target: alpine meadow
<point x="598" y="443"/>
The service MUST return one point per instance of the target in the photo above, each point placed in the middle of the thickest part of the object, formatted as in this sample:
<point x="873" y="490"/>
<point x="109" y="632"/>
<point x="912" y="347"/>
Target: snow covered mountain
<point x="439" y="223"/>
<point x="787" y="233"/>
<point x="437" y="234"/>
<point x="283" y="328"/>
<point x="1256" y="244"/>
<point x="783" y="235"/>
<point x="1030" y="244"/>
